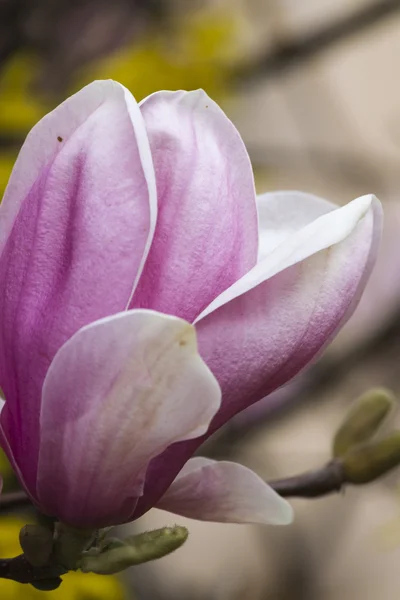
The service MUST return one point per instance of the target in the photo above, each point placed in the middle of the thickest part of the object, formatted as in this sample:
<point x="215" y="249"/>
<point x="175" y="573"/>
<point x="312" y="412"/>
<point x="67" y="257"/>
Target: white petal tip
<point x="284" y="514"/>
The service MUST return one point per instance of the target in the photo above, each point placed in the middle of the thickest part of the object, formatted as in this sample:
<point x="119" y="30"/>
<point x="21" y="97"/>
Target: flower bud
<point x="135" y="550"/>
<point x="37" y="544"/>
<point x="363" y="420"/>
<point x="367" y="463"/>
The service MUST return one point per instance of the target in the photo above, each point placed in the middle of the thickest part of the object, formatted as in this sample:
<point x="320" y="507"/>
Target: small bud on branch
<point x="363" y="420"/>
<point x="134" y="550"/>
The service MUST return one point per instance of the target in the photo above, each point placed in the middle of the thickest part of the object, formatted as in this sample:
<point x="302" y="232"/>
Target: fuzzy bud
<point x="367" y="463"/>
<point x="363" y="420"/>
<point x="134" y="550"/>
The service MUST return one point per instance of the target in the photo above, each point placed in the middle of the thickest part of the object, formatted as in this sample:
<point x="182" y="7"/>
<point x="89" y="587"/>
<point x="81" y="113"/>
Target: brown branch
<point x="14" y="500"/>
<point x="313" y="484"/>
<point x="294" y="52"/>
<point x="19" y="569"/>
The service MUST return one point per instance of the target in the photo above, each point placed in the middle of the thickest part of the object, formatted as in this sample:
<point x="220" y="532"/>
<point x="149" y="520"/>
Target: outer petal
<point x="262" y="331"/>
<point x="75" y="225"/>
<point x="117" y="394"/>
<point x="225" y="492"/>
<point x="206" y="235"/>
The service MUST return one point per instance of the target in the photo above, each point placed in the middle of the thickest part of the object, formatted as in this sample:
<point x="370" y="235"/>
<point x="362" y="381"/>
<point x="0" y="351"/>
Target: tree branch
<point x="19" y="569"/>
<point x="293" y="52"/>
<point x="13" y="501"/>
<point x="312" y="484"/>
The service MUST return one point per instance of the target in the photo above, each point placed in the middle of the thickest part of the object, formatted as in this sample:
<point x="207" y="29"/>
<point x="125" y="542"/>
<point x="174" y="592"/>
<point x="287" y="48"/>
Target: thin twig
<point x="19" y="569"/>
<point x="14" y="500"/>
<point x="313" y="484"/>
<point x="291" y="53"/>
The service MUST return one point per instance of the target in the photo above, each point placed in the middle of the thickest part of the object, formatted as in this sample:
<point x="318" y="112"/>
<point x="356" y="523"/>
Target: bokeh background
<point x="314" y="88"/>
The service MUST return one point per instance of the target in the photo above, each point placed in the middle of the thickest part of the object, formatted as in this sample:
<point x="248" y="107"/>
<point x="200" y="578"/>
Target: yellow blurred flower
<point x="75" y="586"/>
<point x="197" y="51"/>
<point x="19" y="107"/>
<point x="10" y="482"/>
<point x="19" y="111"/>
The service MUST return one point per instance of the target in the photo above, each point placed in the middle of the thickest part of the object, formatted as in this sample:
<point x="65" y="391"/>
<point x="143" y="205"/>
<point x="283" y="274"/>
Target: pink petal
<point x="206" y="235"/>
<point x="225" y="492"/>
<point x="269" y="325"/>
<point x="117" y="394"/>
<point x="75" y="226"/>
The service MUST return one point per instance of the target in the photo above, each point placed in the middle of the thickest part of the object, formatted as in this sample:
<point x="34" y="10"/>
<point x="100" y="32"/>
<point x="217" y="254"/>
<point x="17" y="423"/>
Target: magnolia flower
<point x="148" y="296"/>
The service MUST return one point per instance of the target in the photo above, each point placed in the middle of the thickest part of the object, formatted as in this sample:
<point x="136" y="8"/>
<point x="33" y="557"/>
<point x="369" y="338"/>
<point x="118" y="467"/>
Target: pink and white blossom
<point x="148" y="296"/>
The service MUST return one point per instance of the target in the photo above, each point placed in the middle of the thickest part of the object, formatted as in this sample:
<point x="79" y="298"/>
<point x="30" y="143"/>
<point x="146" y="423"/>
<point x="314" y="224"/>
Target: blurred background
<point x="313" y="87"/>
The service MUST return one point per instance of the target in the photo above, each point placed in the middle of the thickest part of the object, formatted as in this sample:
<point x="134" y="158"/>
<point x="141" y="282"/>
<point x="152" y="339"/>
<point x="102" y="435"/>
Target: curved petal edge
<point x="224" y="492"/>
